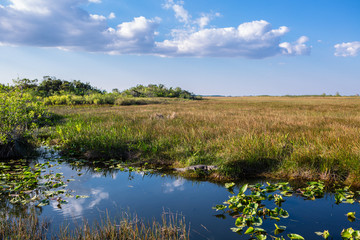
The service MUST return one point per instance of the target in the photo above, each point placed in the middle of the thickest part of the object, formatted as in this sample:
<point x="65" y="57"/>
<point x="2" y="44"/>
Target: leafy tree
<point x="51" y="86"/>
<point x="153" y="90"/>
<point x="25" y="83"/>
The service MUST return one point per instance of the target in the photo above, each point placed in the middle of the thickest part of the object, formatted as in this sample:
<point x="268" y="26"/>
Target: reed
<point x="171" y="227"/>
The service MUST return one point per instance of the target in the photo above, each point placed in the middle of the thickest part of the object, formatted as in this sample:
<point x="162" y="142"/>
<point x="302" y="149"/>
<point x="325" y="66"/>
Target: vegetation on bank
<point x="55" y="91"/>
<point x="274" y="136"/>
<point x="21" y="114"/>
<point x="307" y="137"/>
<point x="23" y="106"/>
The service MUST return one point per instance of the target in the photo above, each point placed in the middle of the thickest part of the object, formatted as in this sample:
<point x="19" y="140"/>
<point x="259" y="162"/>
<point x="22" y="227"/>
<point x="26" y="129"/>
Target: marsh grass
<point x="31" y="227"/>
<point x="171" y="227"/>
<point x="304" y="137"/>
<point x="23" y="227"/>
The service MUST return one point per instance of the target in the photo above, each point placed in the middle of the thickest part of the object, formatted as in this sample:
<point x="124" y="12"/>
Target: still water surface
<point x="150" y="195"/>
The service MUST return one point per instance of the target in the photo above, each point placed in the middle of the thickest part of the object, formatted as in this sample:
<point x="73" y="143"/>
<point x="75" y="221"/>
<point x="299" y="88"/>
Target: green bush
<point x="20" y="114"/>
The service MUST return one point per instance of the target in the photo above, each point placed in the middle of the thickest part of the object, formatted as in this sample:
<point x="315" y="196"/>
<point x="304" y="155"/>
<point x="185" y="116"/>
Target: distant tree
<point x="53" y="86"/>
<point x="115" y="90"/>
<point x="153" y="90"/>
<point x="25" y="83"/>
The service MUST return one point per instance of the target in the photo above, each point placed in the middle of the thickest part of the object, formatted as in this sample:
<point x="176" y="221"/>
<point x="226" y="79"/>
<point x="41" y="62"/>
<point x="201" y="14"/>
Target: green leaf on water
<point x="250" y="230"/>
<point x="81" y="196"/>
<point x="347" y="233"/>
<point x="229" y="185"/>
<point x="243" y="189"/>
<point x="324" y="234"/>
<point x="44" y="202"/>
<point x="219" y="207"/>
<point x="261" y="237"/>
<point x="294" y="236"/>
<point x="236" y="230"/>
<point x="240" y="222"/>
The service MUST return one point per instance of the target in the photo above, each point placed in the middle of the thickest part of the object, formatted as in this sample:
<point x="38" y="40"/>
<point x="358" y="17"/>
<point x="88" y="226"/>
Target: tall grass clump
<point x="305" y="137"/>
<point x="171" y="227"/>
<point x="26" y="227"/>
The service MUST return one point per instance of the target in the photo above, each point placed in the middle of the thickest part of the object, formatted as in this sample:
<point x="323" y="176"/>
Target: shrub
<point x="20" y="115"/>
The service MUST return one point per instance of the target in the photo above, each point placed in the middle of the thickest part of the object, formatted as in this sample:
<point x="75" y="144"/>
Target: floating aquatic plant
<point x="250" y="210"/>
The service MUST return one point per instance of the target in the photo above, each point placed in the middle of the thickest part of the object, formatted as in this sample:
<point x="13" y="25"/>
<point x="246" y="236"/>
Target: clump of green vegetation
<point x="22" y="184"/>
<point x="51" y="86"/>
<point x="21" y="114"/>
<point x="153" y="90"/>
<point x="55" y="91"/>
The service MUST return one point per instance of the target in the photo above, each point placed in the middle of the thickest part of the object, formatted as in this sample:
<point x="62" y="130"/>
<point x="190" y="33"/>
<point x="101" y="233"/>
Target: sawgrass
<point x="293" y="137"/>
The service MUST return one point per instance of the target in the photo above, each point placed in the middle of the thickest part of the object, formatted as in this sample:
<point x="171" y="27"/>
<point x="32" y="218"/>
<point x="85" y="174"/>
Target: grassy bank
<point x="302" y="137"/>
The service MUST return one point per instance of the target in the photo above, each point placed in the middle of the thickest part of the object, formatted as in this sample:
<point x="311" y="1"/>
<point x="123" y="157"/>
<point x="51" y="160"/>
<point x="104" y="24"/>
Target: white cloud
<point x="34" y="6"/>
<point x="112" y="16"/>
<point x="137" y="36"/>
<point x="65" y="25"/>
<point x="254" y="39"/>
<point x="180" y="13"/>
<point x="98" y="17"/>
<point x="205" y="19"/>
<point x="297" y="48"/>
<point x="349" y="49"/>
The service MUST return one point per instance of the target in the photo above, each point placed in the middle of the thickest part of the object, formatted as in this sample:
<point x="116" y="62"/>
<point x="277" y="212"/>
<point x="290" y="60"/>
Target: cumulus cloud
<point x="32" y="6"/>
<point x="297" y="48"/>
<point x="180" y="13"/>
<point x="65" y="25"/>
<point x="349" y="49"/>
<point x="112" y="15"/>
<point x="205" y="19"/>
<point x="137" y="36"/>
<point x="98" y="17"/>
<point x="183" y="15"/>
<point x="254" y="39"/>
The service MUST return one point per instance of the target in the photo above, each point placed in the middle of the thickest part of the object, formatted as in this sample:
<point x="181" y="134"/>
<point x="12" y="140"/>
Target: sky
<point x="209" y="47"/>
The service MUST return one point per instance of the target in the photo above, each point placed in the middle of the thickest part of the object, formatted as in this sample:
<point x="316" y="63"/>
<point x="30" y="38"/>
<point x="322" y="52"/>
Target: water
<point x="150" y="195"/>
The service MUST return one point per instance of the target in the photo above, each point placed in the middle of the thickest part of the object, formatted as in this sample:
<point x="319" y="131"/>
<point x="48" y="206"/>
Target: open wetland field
<point x="283" y="137"/>
<point x="216" y="168"/>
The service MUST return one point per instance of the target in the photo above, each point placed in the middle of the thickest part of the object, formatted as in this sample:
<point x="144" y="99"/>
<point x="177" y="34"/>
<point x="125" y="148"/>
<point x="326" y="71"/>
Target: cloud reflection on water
<point x="177" y="185"/>
<point x="75" y="208"/>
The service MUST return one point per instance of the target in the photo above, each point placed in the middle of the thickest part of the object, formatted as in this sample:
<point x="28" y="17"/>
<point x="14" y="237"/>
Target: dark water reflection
<point x="149" y="195"/>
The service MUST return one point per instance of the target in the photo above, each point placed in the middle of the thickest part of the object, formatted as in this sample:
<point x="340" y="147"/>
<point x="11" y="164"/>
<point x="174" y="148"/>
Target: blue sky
<point x="229" y="47"/>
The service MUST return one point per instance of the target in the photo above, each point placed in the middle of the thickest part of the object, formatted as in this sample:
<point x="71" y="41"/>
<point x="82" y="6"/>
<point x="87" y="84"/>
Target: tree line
<point x="52" y="86"/>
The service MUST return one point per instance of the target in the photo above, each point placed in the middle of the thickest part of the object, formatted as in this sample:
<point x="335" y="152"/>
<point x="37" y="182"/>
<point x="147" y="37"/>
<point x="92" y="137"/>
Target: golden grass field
<point x="292" y="137"/>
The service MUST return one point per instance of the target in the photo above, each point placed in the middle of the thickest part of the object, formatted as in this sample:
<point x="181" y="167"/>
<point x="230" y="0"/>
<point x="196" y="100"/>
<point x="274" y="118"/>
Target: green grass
<point x="305" y="137"/>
